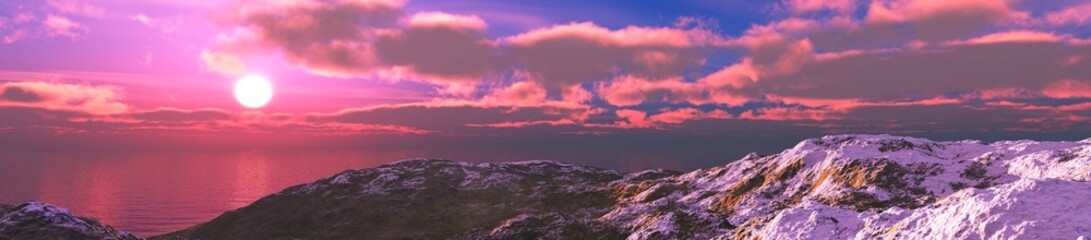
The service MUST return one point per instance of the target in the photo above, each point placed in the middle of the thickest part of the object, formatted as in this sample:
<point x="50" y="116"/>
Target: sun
<point x="253" y="91"/>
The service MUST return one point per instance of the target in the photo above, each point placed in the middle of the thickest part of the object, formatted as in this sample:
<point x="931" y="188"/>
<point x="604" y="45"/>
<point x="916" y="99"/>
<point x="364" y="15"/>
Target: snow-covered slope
<point x="1018" y="210"/>
<point x="36" y="220"/>
<point x="874" y="186"/>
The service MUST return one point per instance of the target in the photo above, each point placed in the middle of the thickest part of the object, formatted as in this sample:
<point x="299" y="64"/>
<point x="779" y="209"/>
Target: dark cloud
<point x="181" y="115"/>
<point x="442" y="49"/>
<point x="328" y="38"/>
<point x="17" y="94"/>
<point x="450" y="118"/>
<point x="584" y="52"/>
<point x="99" y="100"/>
<point x="355" y="40"/>
<point x="928" y="73"/>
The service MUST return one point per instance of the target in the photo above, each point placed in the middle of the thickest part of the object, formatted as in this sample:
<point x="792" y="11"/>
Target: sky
<point x="682" y="76"/>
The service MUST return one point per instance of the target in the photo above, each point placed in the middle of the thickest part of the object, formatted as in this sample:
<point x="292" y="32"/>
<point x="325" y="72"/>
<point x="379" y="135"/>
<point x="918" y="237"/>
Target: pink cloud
<point x="882" y="11"/>
<point x="520" y="94"/>
<point x="172" y="121"/>
<point x="61" y="26"/>
<point x="327" y="38"/>
<point x="1076" y="15"/>
<point x="679" y="116"/>
<point x="809" y="6"/>
<point x="15" y="35"/>
<point x="938" y="20"/>
<point x="23" y="18"/>
<point x="460" y="114"/>
<point x="629" y="118"/>
<point x="631" y="91"/>
<point x="632" y="119"/>
<point x="627" y="37"/>
<point x="226" y="63"/>
<point x="364" y="38"/>
<point x="773" y="53"/>
<point x="1018" y="36"/>
<point x="446" y="20"/>
<point x="791" y="114"/>
<point x="1068" y="89"/>
<point x="98" y="100"/>
<point x="1015" y="59"/>
<point x="451" y="51"/>
<point x="845" y="105"/>
<point x="547" y="53"/>
<point x="166" y="25"/>
<point x="522" y="124"/>
<point x="905" y="53"/>
<point x="77" y="7"/>
<point x="577" y="94"/>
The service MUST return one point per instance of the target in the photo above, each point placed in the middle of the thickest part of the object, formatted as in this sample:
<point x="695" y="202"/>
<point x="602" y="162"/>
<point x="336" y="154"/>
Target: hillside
<point x="845" y="186"/>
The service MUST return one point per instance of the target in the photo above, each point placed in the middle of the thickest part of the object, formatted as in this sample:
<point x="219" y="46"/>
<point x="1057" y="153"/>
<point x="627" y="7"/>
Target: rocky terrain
<point x="35" y="220"/>
<point x="835" y="187"/>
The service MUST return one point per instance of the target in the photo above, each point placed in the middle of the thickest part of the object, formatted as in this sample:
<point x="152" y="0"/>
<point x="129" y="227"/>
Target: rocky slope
<point x="867" y="186"/>
<point x="430" y="199"/>
<point x="35" y="220"/>
<point x="835" y="187"/>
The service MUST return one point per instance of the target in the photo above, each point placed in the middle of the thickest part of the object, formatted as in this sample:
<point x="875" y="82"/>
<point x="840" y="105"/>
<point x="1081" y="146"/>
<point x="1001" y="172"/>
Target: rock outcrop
<point x="36" y="220"/>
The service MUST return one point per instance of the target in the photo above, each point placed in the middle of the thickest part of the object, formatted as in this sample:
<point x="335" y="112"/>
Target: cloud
<point x="1077" y="15"/>
<point x="584" y="52"/>
<point x="1068" y="89"/>
<point x="631" y="91"/>
<point x="926" y="73"/>
<point x="180" y="115"/>
<point x="770" y="52"/>
<point x="1019" y="36"/>
<point x="76" y="7"/>
<point x="376" y="38"/>
<point x="166" y="25"/>
<point x="820" y="65"/>
<point x="675" y="118"/>
<point x="810" y="6"/>
<point x="457" y="115"/>
<point x="62" y="26"/>
<point x="441" y="46"/>
<point x="17" y="94"/>
<point x="97" y="100"/>
<point x="943" y="20"/>
<point x="524" y="93"/>
<point x="69" y="109"/>
<point x="893" y="23"/>
<point x="791" y="114"/>
<point x="70" y="19"/>
<point x="329" y="38"/>
<point x="12" y="28"/>
<point x="229" y="64"/>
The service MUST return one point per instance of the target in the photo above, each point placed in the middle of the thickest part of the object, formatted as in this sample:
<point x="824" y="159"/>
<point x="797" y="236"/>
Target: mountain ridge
<point x="834" y="187"/>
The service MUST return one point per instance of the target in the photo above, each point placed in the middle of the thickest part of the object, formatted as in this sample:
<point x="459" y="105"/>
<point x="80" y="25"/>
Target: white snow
<point x="59" y="217"/>
<point x="1029" y="190"/>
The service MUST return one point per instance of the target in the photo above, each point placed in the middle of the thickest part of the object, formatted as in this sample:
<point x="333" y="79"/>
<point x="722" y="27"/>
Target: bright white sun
<point x="253" y="91"/>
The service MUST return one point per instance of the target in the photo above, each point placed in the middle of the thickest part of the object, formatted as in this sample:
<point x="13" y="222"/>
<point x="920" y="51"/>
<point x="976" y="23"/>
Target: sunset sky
<point x="628" y="74"/>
